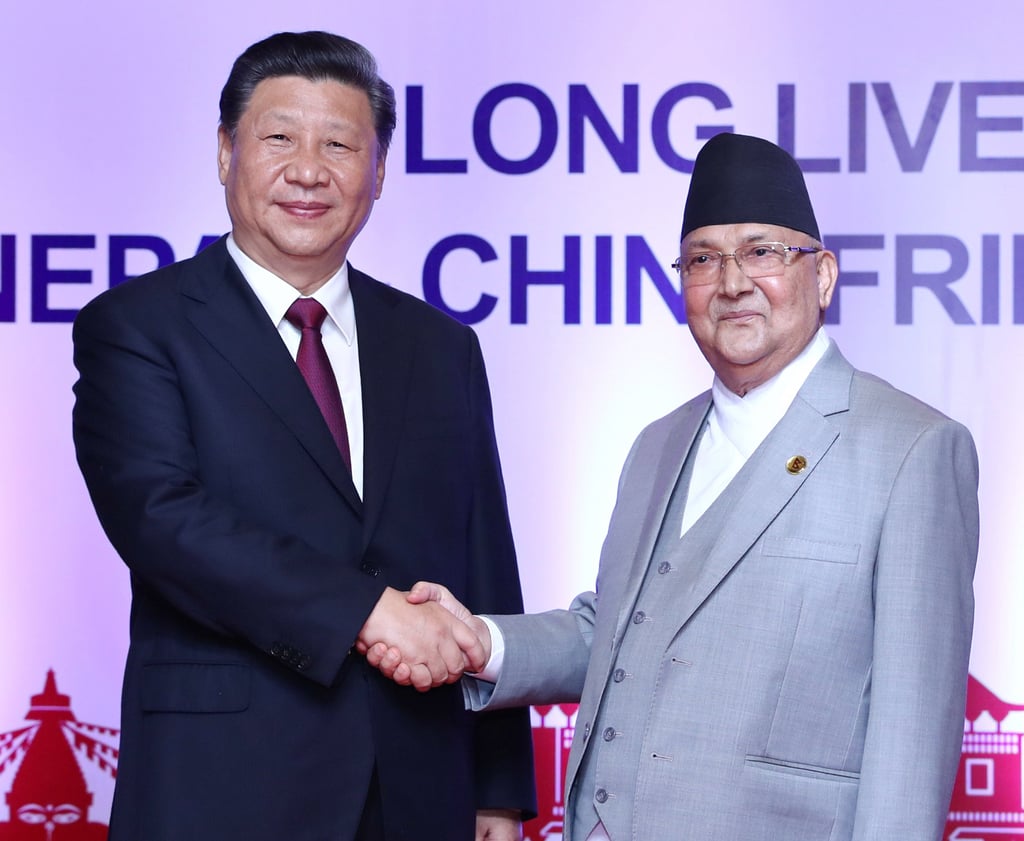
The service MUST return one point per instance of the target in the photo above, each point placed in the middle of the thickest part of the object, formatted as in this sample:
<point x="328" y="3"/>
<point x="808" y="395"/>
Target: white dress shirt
<point x="736" y="426"/>
<point x="338" y="331"/>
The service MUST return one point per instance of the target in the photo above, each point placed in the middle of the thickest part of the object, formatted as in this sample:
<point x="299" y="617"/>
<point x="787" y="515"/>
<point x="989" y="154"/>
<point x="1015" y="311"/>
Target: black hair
<point x="316" y="56"/>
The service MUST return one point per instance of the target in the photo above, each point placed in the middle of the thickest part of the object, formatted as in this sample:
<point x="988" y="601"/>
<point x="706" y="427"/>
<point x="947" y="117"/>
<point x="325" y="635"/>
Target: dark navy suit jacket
<point x="254" y="564"/>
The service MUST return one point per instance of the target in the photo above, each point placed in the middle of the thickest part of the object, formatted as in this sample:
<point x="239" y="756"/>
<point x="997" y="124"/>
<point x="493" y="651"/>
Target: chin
<point x="742" y="356"/>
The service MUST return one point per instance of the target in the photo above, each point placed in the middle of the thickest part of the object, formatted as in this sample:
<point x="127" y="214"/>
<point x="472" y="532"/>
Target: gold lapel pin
<point x="796" y="464"/>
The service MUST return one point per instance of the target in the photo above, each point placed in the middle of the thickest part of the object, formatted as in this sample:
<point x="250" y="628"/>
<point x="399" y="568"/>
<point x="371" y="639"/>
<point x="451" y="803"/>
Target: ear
<point x="381" y="159"/>
<point x="224" y="149"/>
<point x="828" y="272"/>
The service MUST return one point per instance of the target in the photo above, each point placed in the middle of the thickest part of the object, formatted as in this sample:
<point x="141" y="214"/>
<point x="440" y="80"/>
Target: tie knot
<point x="306" y="313"/>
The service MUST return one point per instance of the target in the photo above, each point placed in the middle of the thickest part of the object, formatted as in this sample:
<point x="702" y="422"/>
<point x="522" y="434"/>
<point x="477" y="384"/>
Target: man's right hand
<point x="420" y="640"/>
<point x="396" y="663"/>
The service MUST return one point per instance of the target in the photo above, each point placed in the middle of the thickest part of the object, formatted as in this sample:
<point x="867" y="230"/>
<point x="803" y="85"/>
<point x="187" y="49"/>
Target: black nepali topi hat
<point x="738" y="179"/>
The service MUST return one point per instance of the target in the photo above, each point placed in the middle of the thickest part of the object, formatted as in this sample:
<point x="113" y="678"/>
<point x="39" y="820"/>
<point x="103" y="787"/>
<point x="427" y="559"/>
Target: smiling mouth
<point x="304" y="208"/>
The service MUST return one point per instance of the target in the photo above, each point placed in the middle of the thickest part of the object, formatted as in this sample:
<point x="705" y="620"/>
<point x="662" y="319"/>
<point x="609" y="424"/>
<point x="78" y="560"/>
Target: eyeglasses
<point x="759" y="259"/>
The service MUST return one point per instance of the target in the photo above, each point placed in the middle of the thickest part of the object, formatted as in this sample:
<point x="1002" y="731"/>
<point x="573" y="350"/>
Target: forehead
<point x="728" y="237"/>
<point x="296" y="95"/>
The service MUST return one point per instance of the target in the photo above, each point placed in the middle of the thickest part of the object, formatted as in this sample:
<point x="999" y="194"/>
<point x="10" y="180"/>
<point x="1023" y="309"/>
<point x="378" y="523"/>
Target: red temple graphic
<point x="49" y="799"/>
<point x="553" y="727"/>
<point x="988" y="797"/>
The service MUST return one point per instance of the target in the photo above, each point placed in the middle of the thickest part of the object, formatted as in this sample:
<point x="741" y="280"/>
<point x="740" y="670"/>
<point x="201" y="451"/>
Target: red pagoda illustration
<point x="553" y="727"/>
<point x="49" y="799"/>
<point x="988" y="797"/>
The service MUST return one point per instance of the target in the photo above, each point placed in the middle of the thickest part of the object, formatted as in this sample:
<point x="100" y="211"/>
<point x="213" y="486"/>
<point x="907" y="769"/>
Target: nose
<point x="733" y="281"/>
<point x="306" y="169"/>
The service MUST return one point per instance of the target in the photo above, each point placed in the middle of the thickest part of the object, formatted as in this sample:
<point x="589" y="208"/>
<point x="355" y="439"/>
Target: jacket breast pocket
<point x="195" y="687"/>
<point x="800" y="769"/>
<point x="799" y="548"/>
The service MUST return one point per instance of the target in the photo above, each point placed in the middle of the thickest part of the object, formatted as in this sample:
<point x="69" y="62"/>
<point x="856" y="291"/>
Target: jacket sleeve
<point x="924" y="608"/>
<point x="546" y="656"/>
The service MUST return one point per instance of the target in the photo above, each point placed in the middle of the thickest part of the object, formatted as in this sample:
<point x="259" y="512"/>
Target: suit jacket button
<point x="619" y="675"/>
<point x="275" y="649"/>
<point x="609" y="734"/>
<point x="639" y="617"/>
<point x="600" y="795"/>
<point x="370" y="569"/>
<point x="303" y="662"/>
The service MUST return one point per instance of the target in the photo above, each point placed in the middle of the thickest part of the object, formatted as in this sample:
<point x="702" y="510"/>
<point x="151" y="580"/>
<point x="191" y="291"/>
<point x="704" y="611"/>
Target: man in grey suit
<point x="779" y="642"/>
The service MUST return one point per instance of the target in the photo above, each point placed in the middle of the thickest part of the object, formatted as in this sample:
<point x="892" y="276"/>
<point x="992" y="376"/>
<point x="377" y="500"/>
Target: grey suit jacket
<point x="815" y="687"/>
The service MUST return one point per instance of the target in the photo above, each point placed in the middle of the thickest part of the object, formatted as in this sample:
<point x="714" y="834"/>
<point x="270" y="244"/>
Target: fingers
<point x="423" y="645"/>
<point x="424" y="591"/>
<point x="374" y="654"/>
<point x="483" y="635"/>
<point x="387" y="660"/>
<point x="498" y="825"/>
<point x="420" y="678"/>
<point x="471" y="649"/>
<point x="455" y="638"/>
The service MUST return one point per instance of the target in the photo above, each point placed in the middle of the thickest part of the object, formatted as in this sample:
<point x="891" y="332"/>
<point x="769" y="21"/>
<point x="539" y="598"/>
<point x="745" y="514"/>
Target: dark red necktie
<point x="308" y="315"/>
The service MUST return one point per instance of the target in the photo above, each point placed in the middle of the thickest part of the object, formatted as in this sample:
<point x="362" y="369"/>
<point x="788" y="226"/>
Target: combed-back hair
<point x="316" y="56"/>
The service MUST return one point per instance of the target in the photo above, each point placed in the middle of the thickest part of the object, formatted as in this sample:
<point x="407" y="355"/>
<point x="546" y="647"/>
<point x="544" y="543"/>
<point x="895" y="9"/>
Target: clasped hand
<point x="423" y="638"/>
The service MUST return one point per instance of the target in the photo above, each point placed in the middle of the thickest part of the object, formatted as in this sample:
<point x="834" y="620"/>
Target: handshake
<point x="423" y="638"/>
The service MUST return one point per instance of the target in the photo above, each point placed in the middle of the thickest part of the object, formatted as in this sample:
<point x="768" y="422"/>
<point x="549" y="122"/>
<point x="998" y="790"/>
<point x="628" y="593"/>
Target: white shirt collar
<point x="277" y="294"/>
<point x="746" y="421"/>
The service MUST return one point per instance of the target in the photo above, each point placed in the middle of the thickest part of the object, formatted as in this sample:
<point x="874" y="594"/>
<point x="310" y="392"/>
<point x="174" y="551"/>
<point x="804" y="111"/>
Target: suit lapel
<point x="224" y="309"/>
<point x="386" y="345"/>
<point x="765" y="485"/>
<point x="664" y="458"/>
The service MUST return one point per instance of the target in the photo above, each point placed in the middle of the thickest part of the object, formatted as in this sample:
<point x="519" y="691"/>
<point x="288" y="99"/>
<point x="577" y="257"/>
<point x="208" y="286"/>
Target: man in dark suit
<point x="271" y="514"/>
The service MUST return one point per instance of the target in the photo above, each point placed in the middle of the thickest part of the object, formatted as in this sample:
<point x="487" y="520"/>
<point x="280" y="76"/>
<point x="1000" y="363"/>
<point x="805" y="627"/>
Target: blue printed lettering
<point x="43" y="276"/>
<point x="432" y="276"/>
<point x="568" y="278"/>
<point x="839" y="244"/>
<point x="548" y="135"/>
<point x="972" y="125"/>
<point x="907" y="279"/>
<point x="583" y="108"/>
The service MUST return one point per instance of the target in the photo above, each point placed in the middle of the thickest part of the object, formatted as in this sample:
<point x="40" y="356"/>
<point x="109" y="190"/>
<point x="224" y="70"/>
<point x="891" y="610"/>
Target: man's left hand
<point x="499" y="825"/>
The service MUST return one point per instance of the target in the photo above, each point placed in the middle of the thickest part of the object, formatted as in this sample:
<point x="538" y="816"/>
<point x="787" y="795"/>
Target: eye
<point x="761" y="250"/>
<point x="66" y="813"/>
<point x="700" y="258"/>
<point x="32" y="813"/>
